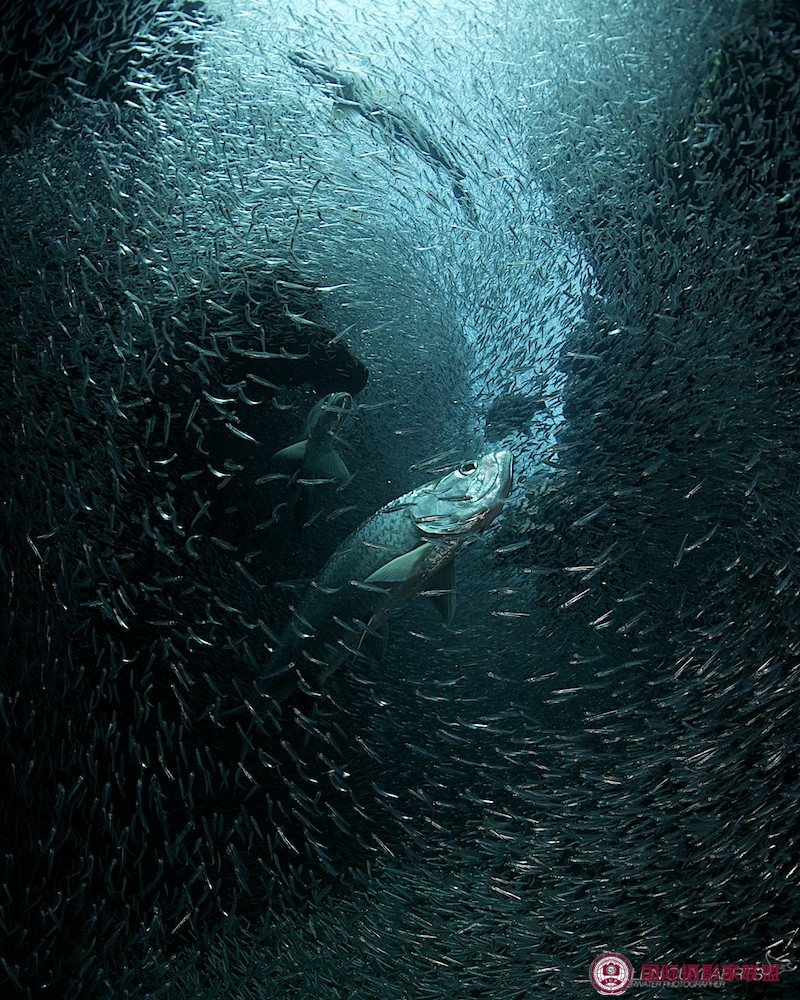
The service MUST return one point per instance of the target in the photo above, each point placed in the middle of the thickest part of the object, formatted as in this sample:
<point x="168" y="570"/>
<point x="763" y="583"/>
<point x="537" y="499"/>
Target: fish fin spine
<point x="401" y="568"/>
<point x="293" y="451"/>
<point x="328" y="463"/>
<point x="442" y="591"/>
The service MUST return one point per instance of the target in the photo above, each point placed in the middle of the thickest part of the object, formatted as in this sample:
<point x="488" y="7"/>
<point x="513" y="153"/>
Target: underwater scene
<point x="400" y="557"/>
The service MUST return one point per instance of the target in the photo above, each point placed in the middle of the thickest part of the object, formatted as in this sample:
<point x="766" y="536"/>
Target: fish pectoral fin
<point x="373" y="641"/>
<point x="441" y="591"/>
<point x="329" y="464"/>
<point x="295" y="451"/>
<point x="402" y="568"/>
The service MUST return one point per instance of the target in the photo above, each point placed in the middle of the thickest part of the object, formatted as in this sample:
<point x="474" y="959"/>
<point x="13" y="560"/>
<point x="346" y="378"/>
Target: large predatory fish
<point x="315" y="451"/>
<point x="406" y="547"/>
<point x="381" y="106"/>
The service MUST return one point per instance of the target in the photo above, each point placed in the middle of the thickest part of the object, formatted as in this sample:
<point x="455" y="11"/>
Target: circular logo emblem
<point x="611" y="974"/>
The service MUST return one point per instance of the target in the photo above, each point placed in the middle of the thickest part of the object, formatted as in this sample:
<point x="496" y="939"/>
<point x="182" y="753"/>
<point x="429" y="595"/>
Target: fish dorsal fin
<point x="440" y="590"/>
<point x="374" y="640"/>
<point x="328" y="463"/>
<point x="295" y="451"/>
<point x="402" y="568"/>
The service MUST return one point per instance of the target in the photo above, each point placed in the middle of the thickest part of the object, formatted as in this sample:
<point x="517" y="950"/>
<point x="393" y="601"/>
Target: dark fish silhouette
<point x="382" y="106"/>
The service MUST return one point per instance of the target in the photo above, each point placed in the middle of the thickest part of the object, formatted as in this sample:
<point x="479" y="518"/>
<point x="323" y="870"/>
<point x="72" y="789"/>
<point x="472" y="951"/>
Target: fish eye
<point x="468" y="467"/>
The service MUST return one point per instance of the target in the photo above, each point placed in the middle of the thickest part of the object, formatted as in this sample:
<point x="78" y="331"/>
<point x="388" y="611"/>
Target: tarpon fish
<point x="407" y="547"/>
<point x="377" y="104"/>
<point x="315" y="451"/>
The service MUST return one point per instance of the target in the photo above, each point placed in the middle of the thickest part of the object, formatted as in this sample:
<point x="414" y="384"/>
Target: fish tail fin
<point x="328" y="463"/>
<point x="296" y="451"/>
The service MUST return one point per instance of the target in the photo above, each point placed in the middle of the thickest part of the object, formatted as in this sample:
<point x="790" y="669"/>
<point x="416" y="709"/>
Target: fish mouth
<point x="504" y="476"/>
<point x="501" y="470"/>
<point x="457" y="514"/>
<point x="505" y="470"/>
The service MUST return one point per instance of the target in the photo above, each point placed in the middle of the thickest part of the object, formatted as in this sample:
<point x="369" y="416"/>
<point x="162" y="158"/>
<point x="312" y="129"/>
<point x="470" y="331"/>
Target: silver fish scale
<point x="312" y="629"/>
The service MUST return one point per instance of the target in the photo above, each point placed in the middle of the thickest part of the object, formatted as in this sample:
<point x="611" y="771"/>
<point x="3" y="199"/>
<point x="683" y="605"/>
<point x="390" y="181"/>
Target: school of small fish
<point x="288" y="290"/>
